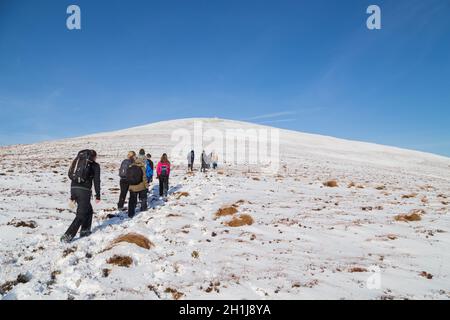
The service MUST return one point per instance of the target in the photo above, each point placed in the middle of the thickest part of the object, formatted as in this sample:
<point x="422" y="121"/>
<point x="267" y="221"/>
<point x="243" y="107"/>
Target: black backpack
<point x="134" y="175"/>
<point x="80" y="170"/>
<point x="124" y="168"/>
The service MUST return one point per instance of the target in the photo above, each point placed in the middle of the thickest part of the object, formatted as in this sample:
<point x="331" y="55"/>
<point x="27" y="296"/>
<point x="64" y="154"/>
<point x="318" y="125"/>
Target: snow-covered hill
<point x="307" y="240"/>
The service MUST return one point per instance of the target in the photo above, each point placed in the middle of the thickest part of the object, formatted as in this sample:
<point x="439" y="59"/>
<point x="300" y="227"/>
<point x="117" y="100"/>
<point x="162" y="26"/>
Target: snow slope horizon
<point x="303" y="136"/>
<point x="184" y="122"/>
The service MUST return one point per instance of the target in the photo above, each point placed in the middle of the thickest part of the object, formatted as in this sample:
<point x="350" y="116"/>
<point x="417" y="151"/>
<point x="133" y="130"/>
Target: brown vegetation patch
<point x="181" y="194"/>
<point x="413" y="215"/>
<point x="9" y="285"/>
<point x="241" y="220"/>
<point x="331" y="183"/>
<point x="173" y="215"/>
<point x="426" y="275"/>
<point x="121" y="261"/>
<point x="226" y="211"/>
<point x="407" y="196"/>
<point x="68" y="251"/>
<point x="357" y="269"/>
<point x="135" y="238"/>
<point x="175" y="294"/>
<point x="18" y="223"/>
<point x="195" y="254"/>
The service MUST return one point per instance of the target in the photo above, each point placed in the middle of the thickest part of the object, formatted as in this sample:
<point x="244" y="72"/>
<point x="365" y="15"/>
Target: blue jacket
<point x="149" y="169"/>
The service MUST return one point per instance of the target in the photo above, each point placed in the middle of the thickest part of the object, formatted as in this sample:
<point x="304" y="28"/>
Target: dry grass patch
<point x="357" y="269"/>
<point x="413" y="215"/>
<point x="226" y="211"/>
<point x="9" y="285"/>
<point x="181" y="194"/>
<point x="241" y="220"/>
<point x="407" y="196"/>
<point x="121" y="261"/>
<point x="26" y="224"/>
<point x="331" y="183"/>
<point x="68" y="251"/>
<point x="427" y="275"/>
<point x="391" y="236"/>
<point x="175" y="294"/>
<point x="135" y="238"/>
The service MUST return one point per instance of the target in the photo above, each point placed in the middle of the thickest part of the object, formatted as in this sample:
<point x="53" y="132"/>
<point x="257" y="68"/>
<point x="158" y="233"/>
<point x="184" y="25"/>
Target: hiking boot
<point x="66" y="238"/>
<point x="85" y="234"/>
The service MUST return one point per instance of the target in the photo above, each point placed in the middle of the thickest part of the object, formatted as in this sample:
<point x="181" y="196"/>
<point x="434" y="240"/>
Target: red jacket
<point x="159" y="168"/>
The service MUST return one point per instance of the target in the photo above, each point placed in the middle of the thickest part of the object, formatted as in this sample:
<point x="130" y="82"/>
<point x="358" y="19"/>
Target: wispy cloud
<point x="272" y="115"/>
<point x="278" y="121"/>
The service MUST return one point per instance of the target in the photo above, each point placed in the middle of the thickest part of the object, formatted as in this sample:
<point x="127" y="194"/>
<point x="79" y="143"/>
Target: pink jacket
<point x="159" y="168"/>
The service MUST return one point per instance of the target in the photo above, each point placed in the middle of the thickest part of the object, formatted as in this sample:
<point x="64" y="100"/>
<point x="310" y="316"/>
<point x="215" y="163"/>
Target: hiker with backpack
<point x="123" y="178"/>
<point x="163" y="172"/>
<point x="204" y="160"/>
<point x="141" y="155"/>
<point x="84" y="171"/>
<point x="214" y="159"/>
<point x="149" y="168"/>
<point x="137" y="179"/>
<point x="190" y="159"/>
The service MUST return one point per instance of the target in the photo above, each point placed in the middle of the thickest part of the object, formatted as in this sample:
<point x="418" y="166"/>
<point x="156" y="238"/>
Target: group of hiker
<point x="207" y="160"/>
<point x="136" y="174"/>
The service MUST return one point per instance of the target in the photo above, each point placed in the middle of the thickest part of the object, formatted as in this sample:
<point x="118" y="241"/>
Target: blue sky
<point x="311" y="66"/>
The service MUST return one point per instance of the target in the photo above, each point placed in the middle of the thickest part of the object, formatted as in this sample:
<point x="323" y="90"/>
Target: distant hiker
<point x="141" y="155"/>
<point x="163" y="172"/>
<point x="190" y="159"/>
<point x="83" y="171"/>
<point x="137" y="180"/>
<point x="204" y="159"/>
<point x="123" y="178"/>
<point x="214" y="159"/>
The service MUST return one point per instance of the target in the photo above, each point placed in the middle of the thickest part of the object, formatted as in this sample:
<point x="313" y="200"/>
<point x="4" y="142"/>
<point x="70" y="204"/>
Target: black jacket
<point x="94" y="176"/>
<point x="151" y="164"/>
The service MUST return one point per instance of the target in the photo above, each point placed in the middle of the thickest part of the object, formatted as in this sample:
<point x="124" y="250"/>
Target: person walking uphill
<point x="204" y="159"/>
<point x="214" y="159"/>
<point x="83" y="172"/>
<point x="137" y="179"/>
<point x="163" y="172"/>
<point x="149" y="168"/>
<point x="190" y="159"/>
<point x="123" y="178"/>
<point x="141" y="155"/>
